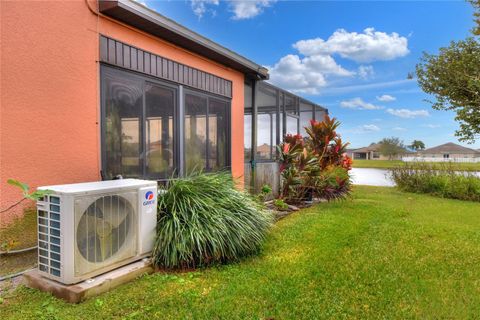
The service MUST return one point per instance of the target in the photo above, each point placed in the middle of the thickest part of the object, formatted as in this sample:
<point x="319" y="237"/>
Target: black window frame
<point x="178" y="121"/>
<point x="254" y="109"/>
<point x="209" y="96"/>
<point x="287" y="113"/>
<point x="176" y="127"/>
<point x="276" y="135"/>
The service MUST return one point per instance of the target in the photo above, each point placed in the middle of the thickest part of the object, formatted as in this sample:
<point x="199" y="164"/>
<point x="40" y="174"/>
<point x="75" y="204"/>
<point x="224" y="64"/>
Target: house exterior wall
<point x="359" y="155"/>
<point x="50" y="106"/>
<point x="382" y="157"/>
<point x="372" y="155"/>
<point x="450" y="155"/>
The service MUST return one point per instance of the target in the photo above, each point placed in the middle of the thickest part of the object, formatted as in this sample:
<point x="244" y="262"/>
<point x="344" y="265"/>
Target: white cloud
<point x="200" y="7"/>
<point x="246" y="9"/>
<point x="363" y="47"/>
<point x="326" y="65"/>
<point x="431" y="126"/>
<point x="358" y="103"/>
<point x="241" y="9"/>
<point x="370" y="128"/>
<point x="305" y="75"/>
<point x="407" y="113"/>
<point x="366" y="72"/>
<point x="399" y="129"/>
<point x="318" y="66"/>
<point x="386" y="98"/>
<point x="366" y="128"/>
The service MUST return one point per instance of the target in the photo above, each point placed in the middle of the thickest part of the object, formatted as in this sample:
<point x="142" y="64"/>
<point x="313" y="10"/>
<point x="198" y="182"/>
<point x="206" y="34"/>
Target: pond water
<point x="371" y="177"/>
<point x="375" y="177"/>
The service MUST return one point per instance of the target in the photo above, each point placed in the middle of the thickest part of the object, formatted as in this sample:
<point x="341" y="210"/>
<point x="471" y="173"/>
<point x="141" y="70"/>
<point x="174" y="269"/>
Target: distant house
<point x="446" y="152"/>
<point x="372" y="152"/>
<point x="265" y="151"/>
<point x="366" y="153"/>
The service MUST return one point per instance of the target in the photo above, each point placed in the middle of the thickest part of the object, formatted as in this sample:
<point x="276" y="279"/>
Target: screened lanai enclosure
<point x="158" y="130"/>
<point x="270" y="114"/>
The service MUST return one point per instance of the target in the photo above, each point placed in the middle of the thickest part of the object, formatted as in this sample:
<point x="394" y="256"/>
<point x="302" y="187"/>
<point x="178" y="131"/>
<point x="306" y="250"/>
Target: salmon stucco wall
<point x="49" y="116"/>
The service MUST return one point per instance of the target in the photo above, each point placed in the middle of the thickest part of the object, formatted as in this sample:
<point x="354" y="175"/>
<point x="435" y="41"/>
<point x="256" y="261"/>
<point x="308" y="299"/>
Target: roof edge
<point x="269" y="84"/>
<point x="459" y="149"/>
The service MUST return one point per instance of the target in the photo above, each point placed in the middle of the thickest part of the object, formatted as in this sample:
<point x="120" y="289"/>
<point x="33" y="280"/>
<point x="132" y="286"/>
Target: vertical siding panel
<point x="103" y="49"/>
<point x="126" y="56"/>
<point x="170" y="69"/>
<point x="176" y="72"/>
<point x="199" y="79"/>
<point x="153" y="65"/>
<point x="140" y="66"/>
<point x="222" y="87"/>
<point x="119" y="53"/>
<point x="180" y="73"/>
<point x="164" y="68"/>
<point x="207" y="82"/>
<point x="159" y="67"/>
<point x="194" y="77"/>
<point x="185" y="75"/>
<point x="146" y="62"/>
<point x="189" y="77"/>
<point x="133" y="58"/>
<point x="111" y="51"/>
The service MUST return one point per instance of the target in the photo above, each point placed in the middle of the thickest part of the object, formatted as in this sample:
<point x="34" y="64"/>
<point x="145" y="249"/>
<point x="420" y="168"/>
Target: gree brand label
<point x="149" y="198"/>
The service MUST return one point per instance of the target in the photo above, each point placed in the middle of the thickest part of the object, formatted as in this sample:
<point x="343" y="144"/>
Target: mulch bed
<point x="282" y="213"/>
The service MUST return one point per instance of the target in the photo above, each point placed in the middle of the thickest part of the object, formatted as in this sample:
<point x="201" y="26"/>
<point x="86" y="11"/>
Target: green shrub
<point x="280" y="204"/>
<point x="265" y="193"/>
<point x="441" y="181"/>
<point x="203" y="219"/>
<point x="334" y="183"/>
<point x="315" y="165"/>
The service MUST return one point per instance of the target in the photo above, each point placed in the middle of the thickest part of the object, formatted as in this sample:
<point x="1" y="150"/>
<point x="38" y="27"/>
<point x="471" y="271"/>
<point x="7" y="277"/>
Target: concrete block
<point x="78" y="292"/>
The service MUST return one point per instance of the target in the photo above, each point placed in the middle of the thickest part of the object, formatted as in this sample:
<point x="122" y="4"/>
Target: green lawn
<point x="387" y="164"/>
<point x="383" y="254"/>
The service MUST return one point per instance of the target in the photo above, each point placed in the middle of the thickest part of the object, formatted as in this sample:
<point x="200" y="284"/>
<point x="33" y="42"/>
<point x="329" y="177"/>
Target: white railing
<point x="430" y="159"/>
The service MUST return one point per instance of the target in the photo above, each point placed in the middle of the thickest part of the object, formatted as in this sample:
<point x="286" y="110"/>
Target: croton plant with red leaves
<point x="315" y="165"/>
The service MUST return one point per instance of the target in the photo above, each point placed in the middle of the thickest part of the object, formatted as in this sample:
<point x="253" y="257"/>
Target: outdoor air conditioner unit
<point x="87" y="229"/>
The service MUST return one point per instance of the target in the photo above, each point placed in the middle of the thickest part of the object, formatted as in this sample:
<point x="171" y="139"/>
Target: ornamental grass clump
<point x="203" y="219"/>
<point x="441" y="181"/>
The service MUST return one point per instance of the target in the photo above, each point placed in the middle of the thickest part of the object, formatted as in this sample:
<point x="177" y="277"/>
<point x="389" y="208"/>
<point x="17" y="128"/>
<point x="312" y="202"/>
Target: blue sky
<point x="351" y="57"/>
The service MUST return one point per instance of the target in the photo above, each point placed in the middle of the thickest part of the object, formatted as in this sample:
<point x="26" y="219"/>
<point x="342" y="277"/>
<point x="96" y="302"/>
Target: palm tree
<point x="417" y="145"/>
